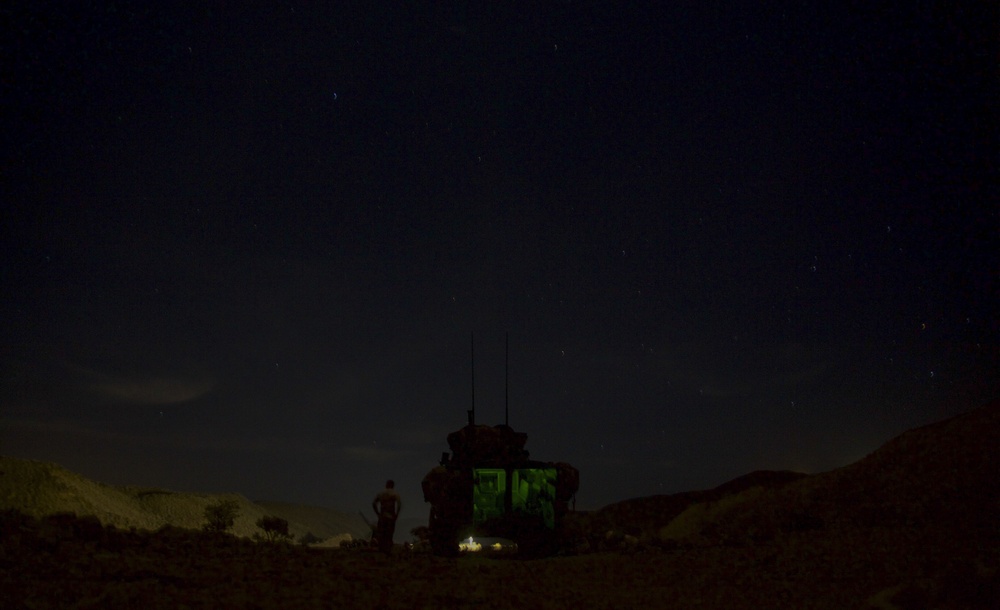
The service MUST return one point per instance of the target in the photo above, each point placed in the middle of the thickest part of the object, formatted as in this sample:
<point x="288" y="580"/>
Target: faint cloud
<point x="153" y="390"/>
<point x="137" y="389"/>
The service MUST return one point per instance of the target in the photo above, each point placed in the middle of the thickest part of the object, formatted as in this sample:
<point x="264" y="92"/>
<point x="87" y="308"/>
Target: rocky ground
<point x="65" y="562"/>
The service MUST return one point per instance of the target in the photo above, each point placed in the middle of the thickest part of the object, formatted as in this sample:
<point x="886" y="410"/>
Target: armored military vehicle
<point x="487" y="487"/>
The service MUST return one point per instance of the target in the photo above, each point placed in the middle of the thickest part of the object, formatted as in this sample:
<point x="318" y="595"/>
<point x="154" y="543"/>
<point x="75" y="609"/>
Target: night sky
<point x="246" y="249"/>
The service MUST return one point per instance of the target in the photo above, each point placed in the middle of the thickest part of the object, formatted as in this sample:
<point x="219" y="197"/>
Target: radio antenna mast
<point x="506" y="376"/>
<point x="472" y="349"/>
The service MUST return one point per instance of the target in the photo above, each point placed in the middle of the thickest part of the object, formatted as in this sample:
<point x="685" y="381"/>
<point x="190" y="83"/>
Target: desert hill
<point x="912" y="525"/>
<point x="38" y="489"/>
<point x="647" y="514"/>
<point x="943" y="474"/>
<point x="942" y="471"/>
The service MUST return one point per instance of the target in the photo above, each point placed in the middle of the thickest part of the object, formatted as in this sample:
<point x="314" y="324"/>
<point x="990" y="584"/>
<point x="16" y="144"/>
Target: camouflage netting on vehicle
<point x="486" y="445"/>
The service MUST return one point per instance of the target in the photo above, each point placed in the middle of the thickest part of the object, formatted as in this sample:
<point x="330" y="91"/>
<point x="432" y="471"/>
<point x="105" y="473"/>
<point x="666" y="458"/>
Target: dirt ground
<point x="63" y="562"/>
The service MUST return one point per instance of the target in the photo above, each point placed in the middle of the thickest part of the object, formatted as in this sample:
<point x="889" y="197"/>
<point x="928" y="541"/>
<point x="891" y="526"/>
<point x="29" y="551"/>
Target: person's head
<point x="390" y="484"/>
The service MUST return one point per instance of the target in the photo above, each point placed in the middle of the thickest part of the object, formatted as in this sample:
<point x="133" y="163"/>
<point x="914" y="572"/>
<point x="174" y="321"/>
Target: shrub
<point x="275" y="528"/>
<point x="309" y="538"/>
<point x="421" y="533"/>
<point x="221" y="515"/>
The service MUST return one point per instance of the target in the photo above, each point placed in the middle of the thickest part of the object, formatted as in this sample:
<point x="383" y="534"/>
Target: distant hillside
<point x="651" y="512"/>
<point x="940" y="472"/>
<point x="943" y="473"/>
<point x="322" y="522"/>
<point x="41" y="488"/>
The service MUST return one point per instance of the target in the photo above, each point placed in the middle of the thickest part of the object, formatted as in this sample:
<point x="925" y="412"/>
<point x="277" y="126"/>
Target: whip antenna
<point x="472" y="349"/>
<point x="506" y="368"/>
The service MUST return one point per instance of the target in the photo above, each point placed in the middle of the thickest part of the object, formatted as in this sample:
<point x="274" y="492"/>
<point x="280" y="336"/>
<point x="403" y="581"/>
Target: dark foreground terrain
<point x="66" y="563"/>
<point x="914" y="525"/>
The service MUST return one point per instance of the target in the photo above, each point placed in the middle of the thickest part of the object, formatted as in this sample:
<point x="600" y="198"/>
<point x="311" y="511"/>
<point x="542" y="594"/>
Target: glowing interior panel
<point x="533" y="492"/>
<point x="488" y="490"/>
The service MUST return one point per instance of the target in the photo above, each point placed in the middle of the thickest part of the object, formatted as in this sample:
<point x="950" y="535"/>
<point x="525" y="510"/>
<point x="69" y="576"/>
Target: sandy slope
<point x="39" y="488"/>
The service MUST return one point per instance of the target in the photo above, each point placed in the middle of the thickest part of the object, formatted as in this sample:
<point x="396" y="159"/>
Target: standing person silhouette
<point x="386" y="505"/>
